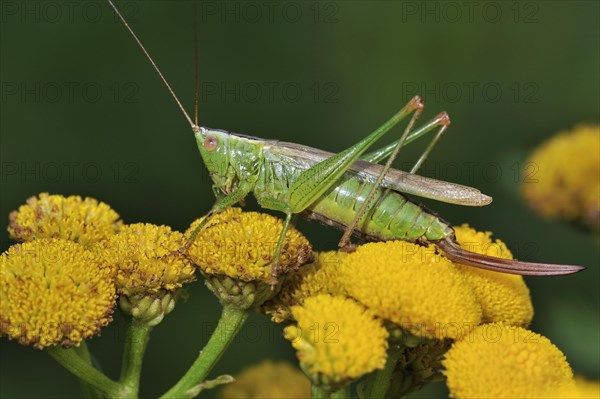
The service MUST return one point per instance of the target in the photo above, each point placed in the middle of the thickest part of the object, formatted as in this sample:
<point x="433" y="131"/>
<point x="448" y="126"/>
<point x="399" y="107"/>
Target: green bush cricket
<point x="348" y="190"/>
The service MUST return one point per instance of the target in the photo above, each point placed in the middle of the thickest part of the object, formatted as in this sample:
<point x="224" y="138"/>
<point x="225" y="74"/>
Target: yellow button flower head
<point x="413" y="287"/>
<point x="586" y="389"/>
<point x="337" y="340"/>
<point x="235" y="251"/>
<point x="241" y="245"/>
<point x="562" y="177"/>
<point x="268" y="379"/>
<point x="319" y="277"/>
<point x="54" y="292"/>
<point x="146" y="259"/>
<point x="500" y="361"/>
<point x="504" y="298"/>
<point x="149" y="269"/>
<point x="85" y="221"/>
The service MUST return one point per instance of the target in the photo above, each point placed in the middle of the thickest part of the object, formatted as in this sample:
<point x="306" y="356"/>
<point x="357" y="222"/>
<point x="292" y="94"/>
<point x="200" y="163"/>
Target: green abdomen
<point x="392" y="216"/>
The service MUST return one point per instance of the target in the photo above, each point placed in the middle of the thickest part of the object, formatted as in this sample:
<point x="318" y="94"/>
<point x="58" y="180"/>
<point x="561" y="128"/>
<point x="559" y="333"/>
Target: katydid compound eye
<point x="210" y="143"/>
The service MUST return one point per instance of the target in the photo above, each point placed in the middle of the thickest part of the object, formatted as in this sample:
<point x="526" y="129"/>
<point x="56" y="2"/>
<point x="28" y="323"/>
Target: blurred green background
<point x="83" y="113"/>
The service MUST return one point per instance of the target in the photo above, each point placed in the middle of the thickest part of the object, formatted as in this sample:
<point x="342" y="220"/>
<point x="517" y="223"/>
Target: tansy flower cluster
<point x="85" y="221"/>
<point x="562" y="177"/>
<point x="337" y="339"/>
<point x="518" y="364"/>
<point x="424" y="301"/>
<point x="55" y="288"/>
<point x="146" y="259"/>
<point x="390" y="316"/>
<point x="149" y="269"/>
<point x="235" y="250"/>
<point x="60" y="285"/>
<point x="241" y="245"/>
<point x="54" y="291"/>
<point x="435" y="304"/>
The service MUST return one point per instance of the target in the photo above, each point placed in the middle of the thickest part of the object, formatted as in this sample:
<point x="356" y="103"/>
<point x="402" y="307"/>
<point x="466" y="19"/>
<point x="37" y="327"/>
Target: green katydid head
<point x="213" y="146"/>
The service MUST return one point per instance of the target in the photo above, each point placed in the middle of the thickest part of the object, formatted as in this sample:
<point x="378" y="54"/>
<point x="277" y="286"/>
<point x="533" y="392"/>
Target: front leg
<point x="276" y="205"/>
<point x="222" y="203"/>
<point x="275" y="269"/>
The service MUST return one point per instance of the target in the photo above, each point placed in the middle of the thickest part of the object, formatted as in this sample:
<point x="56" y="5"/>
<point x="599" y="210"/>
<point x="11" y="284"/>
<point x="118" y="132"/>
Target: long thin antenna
<point x="196" y="64"/>
<point x="194" y="126"/>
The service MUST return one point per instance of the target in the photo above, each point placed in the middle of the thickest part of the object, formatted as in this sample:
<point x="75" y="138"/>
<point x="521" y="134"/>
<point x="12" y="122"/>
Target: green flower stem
<point x="343" y="393"/>
<point x="316" y="392"/>
<point x="84" y="352"/>
<point x="89" y="392"/>
<point x="230" y="323"/>
<point x="379" y="383"/>
<point x="70" y="360"/>
<point x="136" y="340"/>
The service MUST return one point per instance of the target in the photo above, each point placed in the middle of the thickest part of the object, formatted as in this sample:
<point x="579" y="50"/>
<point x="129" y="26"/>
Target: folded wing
<point x="395" y="179"/>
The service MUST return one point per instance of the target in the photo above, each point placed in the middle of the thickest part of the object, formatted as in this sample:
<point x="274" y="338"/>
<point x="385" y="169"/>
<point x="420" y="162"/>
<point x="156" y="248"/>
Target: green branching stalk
<point x="230" y="323"/>
<point x="317" y="392"/>
<point x="343" y="393"/>
<point x="136" y="340"/>
<point x="380" y="381"/>
<point x="89" y="392"/>
<point x="83" y="370"/>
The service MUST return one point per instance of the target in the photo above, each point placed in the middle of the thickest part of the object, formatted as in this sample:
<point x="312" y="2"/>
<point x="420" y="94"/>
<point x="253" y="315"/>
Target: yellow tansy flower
<point x="500" y="361"/>
<point x="235" y="252"/>
<point x="586" y="389"/>
<point x="268" y="379"/>
<point x="413" y="287"/>
<point x="562" y="176"/>
<point x="54" y="292"/>
<point x="319" y="277"/>
<point x="85" y="221"/>
<point x="146" y="259"/>
<point x="503" y="297"/>
<point x="241" y="245"/>
<point x="337" y="340"/>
